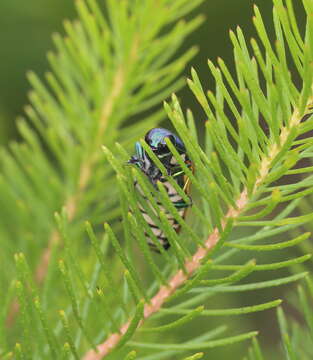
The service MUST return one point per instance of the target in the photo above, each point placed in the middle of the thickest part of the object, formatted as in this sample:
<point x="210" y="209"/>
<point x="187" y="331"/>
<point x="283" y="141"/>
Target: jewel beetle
<point x="156" y="139"/>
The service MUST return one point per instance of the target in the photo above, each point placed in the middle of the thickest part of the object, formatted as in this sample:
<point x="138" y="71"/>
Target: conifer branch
<point x="195" y="262"/>
<point x="123" y="72"/>
<point x="72" y="202"/>
<point x="85" y="171"/>
<point x="253" y="138"/>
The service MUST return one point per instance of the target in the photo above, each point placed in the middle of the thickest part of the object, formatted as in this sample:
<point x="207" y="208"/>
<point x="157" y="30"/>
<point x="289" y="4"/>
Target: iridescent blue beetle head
<point x="142" y="160"/>
<point x="140" y="157"/>
<point x="155" y="138"/>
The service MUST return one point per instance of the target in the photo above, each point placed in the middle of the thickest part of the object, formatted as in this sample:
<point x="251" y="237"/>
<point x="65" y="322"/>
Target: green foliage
<point x="296" y="339"/>
<point x="107" y="284"/>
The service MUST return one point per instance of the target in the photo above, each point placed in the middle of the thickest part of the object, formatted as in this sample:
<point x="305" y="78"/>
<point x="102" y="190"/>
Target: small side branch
<point x="71" y="204"/>
<point x="85" y="172"/>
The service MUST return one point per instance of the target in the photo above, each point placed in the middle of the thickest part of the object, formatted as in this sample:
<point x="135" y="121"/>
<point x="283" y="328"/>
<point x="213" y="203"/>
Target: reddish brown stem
<point x="175" y="282"/>
<point x="192" y="265"/>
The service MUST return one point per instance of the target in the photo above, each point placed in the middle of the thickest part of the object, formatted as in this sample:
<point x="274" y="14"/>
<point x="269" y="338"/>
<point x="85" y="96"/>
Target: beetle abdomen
<point x="159" y="234"/>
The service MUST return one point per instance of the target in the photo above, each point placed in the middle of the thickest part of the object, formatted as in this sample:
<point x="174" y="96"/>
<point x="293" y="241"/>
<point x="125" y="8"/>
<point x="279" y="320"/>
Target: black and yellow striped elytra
<point x="156" y="139"/>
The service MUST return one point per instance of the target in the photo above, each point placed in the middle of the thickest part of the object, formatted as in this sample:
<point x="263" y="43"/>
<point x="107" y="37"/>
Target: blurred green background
<point x="25" y="37"/>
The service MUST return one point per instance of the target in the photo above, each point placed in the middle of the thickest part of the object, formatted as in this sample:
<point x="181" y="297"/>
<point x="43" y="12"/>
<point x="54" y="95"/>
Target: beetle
<point x="156" y="139"/>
